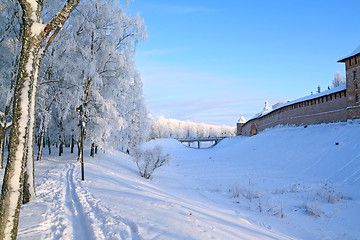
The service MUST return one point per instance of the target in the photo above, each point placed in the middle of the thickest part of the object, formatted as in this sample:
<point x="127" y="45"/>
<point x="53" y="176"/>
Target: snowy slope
<point x="284" y="183"/>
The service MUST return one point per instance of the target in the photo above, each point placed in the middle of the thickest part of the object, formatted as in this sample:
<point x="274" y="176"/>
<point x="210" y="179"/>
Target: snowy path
<point x="74" y="213"/>
<point x="81" y="227"/>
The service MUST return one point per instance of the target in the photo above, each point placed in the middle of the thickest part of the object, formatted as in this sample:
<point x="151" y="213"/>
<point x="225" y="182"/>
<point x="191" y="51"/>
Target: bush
<point x="150" y="159"/>
<point x="312" y="209"/>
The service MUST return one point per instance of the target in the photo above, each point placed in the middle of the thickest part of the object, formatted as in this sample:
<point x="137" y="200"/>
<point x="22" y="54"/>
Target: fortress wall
<point x="353" y="89"/>
<point x="324" y="109"/>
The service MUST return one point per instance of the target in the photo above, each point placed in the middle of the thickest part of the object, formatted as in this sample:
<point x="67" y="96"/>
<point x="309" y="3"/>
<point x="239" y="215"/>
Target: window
<point x="357" y="98"/>
<point x="349" y="61"/>
<point x="355" y="60"/>
<point x="354" y="75"/>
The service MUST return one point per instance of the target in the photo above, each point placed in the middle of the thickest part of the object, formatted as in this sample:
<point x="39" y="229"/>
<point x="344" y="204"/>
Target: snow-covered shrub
<point x="247" y="192"/>
<point x="276" y="209"/>
<point x="329" y="194"/>
<point x="260" y="205"/>
<point x="293" y="188"/>
<point x="278" y="191"/>
<point x="147" y="160"/>
<point x="235" y="190"/>
<point x="311" y="209"/>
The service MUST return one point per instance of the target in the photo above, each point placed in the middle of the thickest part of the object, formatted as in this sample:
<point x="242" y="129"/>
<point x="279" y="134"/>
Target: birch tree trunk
<point x="83" y="125"/>
<point x="11" y="194"/>
<point x="72" y="144"/>
<point x="29" y="171"/>
<point x="2" y="146"/>
<point x="83" y="112"/>
<point x="61" y="146"/>
<point x="41" y="142"/>
<point x="49" y="145"/>
<point x="34" y="34"/>
<point x="4" y="127"/>
<point x="1" y="153"/>
<point x="29" y="178"/>
<point x="92" y="150"/>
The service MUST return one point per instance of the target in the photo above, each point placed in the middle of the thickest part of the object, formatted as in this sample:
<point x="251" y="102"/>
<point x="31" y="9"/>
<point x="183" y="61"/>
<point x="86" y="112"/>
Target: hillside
<point x="284" y="183"/>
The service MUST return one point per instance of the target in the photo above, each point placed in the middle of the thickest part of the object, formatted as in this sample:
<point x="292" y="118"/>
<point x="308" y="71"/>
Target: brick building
<point x="336" y="105"/>
<point x="352" y="66"/>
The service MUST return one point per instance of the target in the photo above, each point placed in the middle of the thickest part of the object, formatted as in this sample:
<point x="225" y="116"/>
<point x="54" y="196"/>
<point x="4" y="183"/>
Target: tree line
<point x="172" y="128"/>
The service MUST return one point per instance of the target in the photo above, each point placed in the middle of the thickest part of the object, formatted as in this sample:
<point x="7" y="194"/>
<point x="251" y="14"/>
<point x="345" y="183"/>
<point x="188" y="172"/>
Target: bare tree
<point x="150" y="159"/>
<point x="338" y="81"/>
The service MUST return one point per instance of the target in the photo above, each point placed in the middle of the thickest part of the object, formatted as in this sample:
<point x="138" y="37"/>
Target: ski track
<point x="73" y="213"/>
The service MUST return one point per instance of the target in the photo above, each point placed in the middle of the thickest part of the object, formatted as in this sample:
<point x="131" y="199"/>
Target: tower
<point x="239" y="124"/>
<point x="352" y="66"/>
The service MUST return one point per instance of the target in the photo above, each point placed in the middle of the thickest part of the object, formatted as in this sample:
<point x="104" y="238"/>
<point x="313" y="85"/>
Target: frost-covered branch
<point x="150" y="159"/>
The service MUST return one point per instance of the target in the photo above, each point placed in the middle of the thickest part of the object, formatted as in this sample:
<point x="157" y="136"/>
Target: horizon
<point x="210" y="63"/>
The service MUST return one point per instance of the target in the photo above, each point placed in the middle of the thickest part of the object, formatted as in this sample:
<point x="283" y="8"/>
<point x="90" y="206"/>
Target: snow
<point x="37" y="28"/>
<point x="284" y="183"/>
<point x="34" y="6"/>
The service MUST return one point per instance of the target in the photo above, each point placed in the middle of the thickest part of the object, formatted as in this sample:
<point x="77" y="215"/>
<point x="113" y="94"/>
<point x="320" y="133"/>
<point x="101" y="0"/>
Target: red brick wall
<point x="353" y="86"/>
<point x="329" y="108"/>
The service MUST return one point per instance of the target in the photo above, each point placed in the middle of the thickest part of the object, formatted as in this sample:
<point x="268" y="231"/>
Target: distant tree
<point x="172" y="128"/>
<point x="338" y="81"/>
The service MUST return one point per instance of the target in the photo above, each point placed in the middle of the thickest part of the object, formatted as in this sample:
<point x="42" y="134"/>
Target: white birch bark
<point x="29" y="171"/>
<point x="41" y="142"/>
<point x="34" y="34"/>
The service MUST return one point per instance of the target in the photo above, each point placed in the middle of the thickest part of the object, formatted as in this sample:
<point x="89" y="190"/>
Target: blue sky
<point x="211" y="61"/>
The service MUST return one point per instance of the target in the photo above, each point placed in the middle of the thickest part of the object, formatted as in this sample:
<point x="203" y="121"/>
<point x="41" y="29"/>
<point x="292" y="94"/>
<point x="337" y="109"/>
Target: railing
<point x="203" y="139"/>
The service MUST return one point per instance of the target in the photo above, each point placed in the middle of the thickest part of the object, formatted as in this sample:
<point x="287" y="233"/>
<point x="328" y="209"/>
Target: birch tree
<point x="36" y="38"/>
<point x="97" y="75"/>
<point x="10" y="18"/>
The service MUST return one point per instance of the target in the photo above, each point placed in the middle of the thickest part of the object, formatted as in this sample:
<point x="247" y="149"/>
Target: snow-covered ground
<point x="284" y="183"/>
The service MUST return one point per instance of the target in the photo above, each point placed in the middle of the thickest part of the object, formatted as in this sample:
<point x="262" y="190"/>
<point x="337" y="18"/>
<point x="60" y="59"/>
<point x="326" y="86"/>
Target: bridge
<point x="216" y="140"/>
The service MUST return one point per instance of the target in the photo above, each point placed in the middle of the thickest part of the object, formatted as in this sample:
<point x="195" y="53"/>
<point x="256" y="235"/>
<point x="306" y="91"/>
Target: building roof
<point x="355" y="52"/>
<point x="242" y="119"/>
<point x="303" y="99"/>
